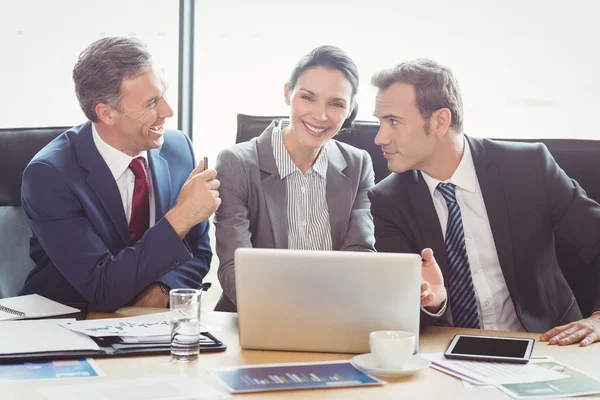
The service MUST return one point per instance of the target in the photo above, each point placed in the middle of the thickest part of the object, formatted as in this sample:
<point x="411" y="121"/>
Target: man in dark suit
<point x="117" y="208"/>
<point x="488" y="210"/>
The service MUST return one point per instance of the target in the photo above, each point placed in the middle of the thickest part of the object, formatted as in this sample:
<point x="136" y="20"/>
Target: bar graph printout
<point x="144" y="325"/>
<point x="267" y="377"/>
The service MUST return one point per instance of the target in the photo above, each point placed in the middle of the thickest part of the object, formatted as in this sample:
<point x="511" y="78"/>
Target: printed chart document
<point x="167" y="387"/>
<point x="32" y="306"/>
<point x="492" y="373"/>
<point x="573" y="383"/>
<point x="65" y="369"/>
<point x="42" y="335"/>
<point x="153" y="327"/>
<point x="267" y="377"/>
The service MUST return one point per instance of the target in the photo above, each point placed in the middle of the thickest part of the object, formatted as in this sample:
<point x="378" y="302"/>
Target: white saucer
<point x="367" y="363"/>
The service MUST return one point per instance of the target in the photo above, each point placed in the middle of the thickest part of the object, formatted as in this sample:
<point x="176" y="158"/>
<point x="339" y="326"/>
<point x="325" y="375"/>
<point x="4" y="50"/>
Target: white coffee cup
<point x="392" y="349"/>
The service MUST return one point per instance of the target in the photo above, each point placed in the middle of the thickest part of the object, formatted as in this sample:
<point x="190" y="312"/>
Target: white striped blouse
<point x="307" y="212"/>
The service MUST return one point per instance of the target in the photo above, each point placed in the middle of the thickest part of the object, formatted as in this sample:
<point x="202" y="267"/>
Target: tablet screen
<point x="487" y="346"/>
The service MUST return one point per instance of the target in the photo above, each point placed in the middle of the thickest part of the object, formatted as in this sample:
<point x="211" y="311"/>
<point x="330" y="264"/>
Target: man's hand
<point x="585" y="331"/>
<point x="152" y="296"/>
<point x="197" y="201"/>
<point x="433" y="292"/>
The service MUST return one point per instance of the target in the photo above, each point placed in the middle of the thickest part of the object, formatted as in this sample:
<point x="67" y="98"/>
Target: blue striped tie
<point x="460" y="282"/>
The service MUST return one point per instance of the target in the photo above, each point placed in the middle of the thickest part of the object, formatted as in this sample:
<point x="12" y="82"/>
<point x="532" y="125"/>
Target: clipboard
<point x="113" y="346"/>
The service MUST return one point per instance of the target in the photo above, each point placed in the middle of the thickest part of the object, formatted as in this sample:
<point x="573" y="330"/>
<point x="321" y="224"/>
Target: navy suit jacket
<point x="79" y="240"/>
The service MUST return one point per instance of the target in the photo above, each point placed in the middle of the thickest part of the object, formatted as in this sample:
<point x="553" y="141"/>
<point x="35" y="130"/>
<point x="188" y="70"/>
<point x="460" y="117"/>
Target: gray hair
<point x="435" y="87"/>
<point x="101" y="69"/>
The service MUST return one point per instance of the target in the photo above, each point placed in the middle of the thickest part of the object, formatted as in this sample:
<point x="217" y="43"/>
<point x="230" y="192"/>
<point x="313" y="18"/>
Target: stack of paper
<point x="491" y="373"/>
<point x="572" y="383"/>
<point x="153" y="328"/>
<point x="540" y="378"/>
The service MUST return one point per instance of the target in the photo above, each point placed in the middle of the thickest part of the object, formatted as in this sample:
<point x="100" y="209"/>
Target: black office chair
<point x="17" y="148"/>
<point x="580" y="159"/>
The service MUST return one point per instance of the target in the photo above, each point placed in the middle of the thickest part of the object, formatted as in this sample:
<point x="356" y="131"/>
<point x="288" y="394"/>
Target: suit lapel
<point x="427" y="219"/>
<point x="100" y="179"/>
<point x="492" y="191"/>
<point x="161" y="180"/>
<point x="273" y="188"/>
<point x="339" y="195"/>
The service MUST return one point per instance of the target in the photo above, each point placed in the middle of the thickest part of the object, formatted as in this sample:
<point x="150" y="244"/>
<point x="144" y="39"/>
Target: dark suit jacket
<point x="79" y="239"/>
<point x="528" y="199"/>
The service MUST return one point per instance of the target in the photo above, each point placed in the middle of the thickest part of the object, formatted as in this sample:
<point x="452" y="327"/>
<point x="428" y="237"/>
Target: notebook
<point x="32" y="306"/>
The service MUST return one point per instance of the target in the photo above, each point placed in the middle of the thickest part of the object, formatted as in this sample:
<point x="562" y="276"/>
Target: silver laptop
<point x="324" y="301"/>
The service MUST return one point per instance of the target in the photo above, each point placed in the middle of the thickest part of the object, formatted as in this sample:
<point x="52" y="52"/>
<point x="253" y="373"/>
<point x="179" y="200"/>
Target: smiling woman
<point x="321" y="94"/>
<point x="314" y="188"/>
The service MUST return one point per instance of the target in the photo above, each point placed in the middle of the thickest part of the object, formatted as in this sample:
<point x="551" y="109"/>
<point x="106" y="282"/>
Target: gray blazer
<point x="253" y="212"/>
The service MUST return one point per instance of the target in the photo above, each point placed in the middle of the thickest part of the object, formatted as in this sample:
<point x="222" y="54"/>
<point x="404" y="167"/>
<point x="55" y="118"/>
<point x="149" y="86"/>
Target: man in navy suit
<point x="117" y="207"/>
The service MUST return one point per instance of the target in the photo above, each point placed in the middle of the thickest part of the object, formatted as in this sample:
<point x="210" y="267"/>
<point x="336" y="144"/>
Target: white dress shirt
<point x="495" y="307"/>
<point x="118" y="163"/>
<point x="309" y="227"/>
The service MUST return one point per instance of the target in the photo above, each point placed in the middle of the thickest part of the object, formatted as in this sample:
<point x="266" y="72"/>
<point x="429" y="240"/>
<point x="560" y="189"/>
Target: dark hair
<point x="334" y="58"/>
<point x="435" y="87"/>
<point x="101" y="69"/>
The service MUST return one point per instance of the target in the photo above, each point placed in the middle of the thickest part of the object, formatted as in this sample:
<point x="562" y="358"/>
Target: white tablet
<point x="490" y="348"/>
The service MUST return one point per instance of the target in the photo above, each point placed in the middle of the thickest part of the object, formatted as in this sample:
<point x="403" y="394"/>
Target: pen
<point x="205" y="163"/>
<point x="205" y="285"/>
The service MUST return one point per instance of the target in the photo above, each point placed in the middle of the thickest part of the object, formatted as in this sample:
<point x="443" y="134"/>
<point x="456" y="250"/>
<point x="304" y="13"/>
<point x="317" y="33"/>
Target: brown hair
<point x="435" y="87"/>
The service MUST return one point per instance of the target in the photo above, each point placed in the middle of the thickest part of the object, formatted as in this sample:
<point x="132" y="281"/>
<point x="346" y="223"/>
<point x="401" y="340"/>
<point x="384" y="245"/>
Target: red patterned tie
<point x="140" y="204"/>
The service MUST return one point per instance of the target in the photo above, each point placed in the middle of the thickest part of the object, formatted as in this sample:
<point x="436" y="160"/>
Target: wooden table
<point x="427" y="384"/>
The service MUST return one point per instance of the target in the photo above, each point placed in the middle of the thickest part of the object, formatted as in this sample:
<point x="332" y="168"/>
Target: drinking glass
<point x="185" y="328"/>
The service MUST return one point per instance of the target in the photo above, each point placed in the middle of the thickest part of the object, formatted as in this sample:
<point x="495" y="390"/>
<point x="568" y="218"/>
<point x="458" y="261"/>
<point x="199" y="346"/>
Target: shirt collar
<point x="285" y="164"/>
<point x="464" y="177"/>
<point x="117" y="161"/>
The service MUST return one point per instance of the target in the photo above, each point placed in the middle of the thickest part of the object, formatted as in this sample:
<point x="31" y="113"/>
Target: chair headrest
<point x="17" y="148"/>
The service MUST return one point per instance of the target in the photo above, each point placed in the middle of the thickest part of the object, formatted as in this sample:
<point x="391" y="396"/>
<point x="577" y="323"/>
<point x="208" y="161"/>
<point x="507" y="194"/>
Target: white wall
<point x="40" y="41"/>
<point x="526" y="68"/>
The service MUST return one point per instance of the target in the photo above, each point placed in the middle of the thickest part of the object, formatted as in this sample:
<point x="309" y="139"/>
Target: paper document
<point x="32" y="306"/>
<point x="168" y="387"/>
<point x="574" y="383"/>
<point x="158" y="339"/>
<point x="491" y="372"/>
<point x="65" y="369"/>
<point x="41" y="336"/>
<point x="145" y="325"/>
<point x="470" y="385"/>
<point x="289" y="376"/>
